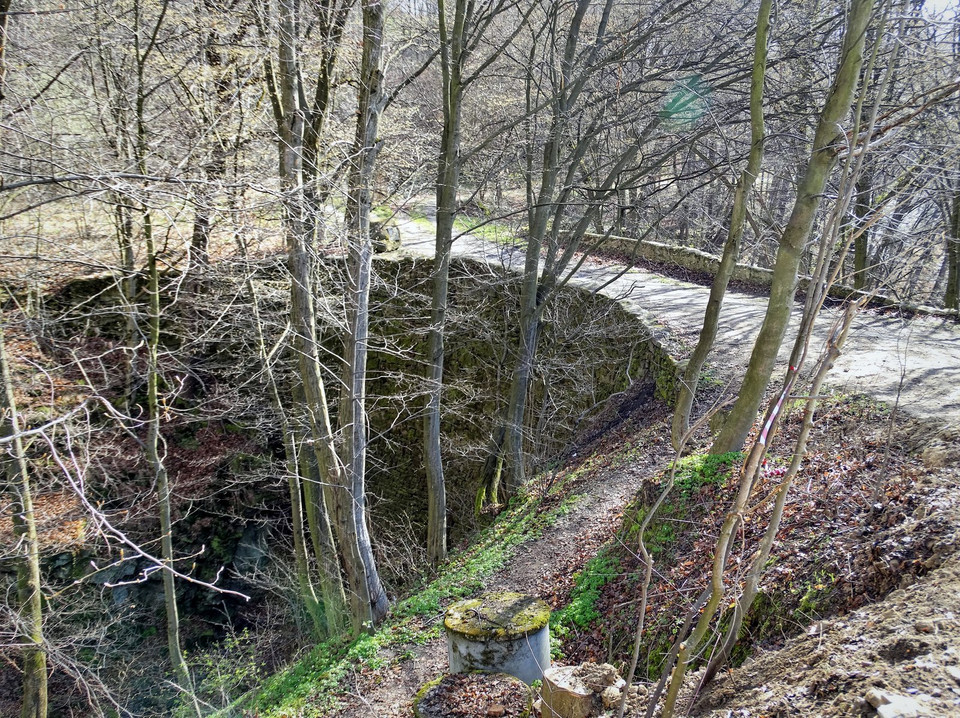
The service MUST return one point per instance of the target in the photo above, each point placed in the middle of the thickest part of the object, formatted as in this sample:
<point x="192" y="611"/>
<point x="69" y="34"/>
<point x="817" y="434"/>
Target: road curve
<point x="914" y="363"/>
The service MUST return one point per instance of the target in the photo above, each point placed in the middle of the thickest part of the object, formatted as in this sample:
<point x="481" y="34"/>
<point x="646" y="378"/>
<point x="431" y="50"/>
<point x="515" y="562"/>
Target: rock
<point x="385" y="236"/>
<point x="891" y="705"/>
<point x="924" y="626"/>
<point x="598" y="677"/>
<point x="876" y="697"/>
<point x="496" y="711"/>
<point x="954" y="673"/>
<point x="900" y="709"/>
<point x="611" y="697"/>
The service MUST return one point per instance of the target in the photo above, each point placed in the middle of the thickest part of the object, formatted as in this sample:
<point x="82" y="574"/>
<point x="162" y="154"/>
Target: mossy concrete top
<point x="503" y="615"/>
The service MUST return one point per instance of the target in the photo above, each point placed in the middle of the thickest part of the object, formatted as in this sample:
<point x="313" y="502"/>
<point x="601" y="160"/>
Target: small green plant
<point x="700" y="470"/>
<point x="816" y="597"/>
<point x="588" y="583"/>
<point x="222" y="674"/>
<point x="661" y="534"/>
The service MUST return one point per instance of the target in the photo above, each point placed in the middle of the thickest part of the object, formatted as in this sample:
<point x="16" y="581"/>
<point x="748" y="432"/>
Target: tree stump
<point x="499" y="633"/>
<point x="586" y="690"/>
<point x="474" y="695"/>
<point x="565" y="695"/>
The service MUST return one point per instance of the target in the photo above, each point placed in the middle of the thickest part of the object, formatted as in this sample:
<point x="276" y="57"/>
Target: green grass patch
<point x="491" y="231"/>
<point x="693" y="473"/>
<point x="661" y="534"/>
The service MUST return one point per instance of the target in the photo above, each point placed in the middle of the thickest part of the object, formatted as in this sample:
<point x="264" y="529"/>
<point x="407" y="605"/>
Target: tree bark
<point x="790" y="250"/>
<point x="29" y="595"/>
<point x="861" y="245"/>
<point x="157" y="468"/>
<point x="4" y="19"/>
<point x="152" y="446"/>
<point x="951" y="297"/>
<point x="731" y="248"/>
<point x="317" y="514"/>
<point x="350" y="496"/>
<point x="511" y="451"/>
<point x="452" y="56"/>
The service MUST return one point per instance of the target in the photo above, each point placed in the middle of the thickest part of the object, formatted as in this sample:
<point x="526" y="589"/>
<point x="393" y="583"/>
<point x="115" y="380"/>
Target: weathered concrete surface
<point x="501" y="632"/>
<point x="886" y="355"/>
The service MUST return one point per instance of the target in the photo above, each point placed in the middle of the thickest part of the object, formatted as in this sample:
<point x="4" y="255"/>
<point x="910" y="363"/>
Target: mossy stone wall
<point x="590" y="348"/>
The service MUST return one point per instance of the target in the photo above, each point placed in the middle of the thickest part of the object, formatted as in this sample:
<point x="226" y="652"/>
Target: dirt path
<point x="541" y="567"/>
<point x="883" y="350"/>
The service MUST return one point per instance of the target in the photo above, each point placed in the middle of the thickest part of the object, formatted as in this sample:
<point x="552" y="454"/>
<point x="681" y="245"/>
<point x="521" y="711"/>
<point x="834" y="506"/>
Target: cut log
<point x="565" y="695"/>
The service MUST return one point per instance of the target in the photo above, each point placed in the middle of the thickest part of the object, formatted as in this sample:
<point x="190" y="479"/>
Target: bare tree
<point x="458" y="41"/>
<point x="370" y="599"/>
<point x="731" y="248"/>
<point x="793" y="241"/>
<point x="17" y="479"/>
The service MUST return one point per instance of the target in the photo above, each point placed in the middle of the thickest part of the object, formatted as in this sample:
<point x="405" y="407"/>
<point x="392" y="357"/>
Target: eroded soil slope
<point x="907" y="645"/>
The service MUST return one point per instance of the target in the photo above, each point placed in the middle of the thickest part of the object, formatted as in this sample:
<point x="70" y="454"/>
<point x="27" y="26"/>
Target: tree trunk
<point x="157" y="468"/>
<point x="790" y="250"/>
<point x="353" y="538"/>
<point x="731" y="248"/>
<point x="350" y="497"/>
<point x="321" y="538"/>
<point x="29" y="596"/>
<point x="4" y="17"/>
<point x="329" y="620"/>
<point x="951" y="297"/>
<point x="861" y="245"/>
<point x="510" y="449"/>
<point x="160" y="477"/>
<point x="452" y="57"/>
<point x="759" y="563"/>
<point x="125" y="236"/>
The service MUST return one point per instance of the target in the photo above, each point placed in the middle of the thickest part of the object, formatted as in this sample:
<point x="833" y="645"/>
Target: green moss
<point x="503" y="615"/>
<point x="422" y="693"/>
<point x="666" y="383"/>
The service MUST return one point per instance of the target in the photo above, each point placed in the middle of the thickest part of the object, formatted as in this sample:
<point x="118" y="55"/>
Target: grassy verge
<point x="583" y="609"/>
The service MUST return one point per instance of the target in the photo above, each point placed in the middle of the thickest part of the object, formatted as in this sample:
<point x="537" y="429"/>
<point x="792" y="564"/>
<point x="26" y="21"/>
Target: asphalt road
<point x="913" y="362"/>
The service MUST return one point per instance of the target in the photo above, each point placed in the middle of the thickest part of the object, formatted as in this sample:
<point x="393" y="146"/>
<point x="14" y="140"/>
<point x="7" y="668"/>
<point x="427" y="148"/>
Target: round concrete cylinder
<point x="499" y="633"/>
